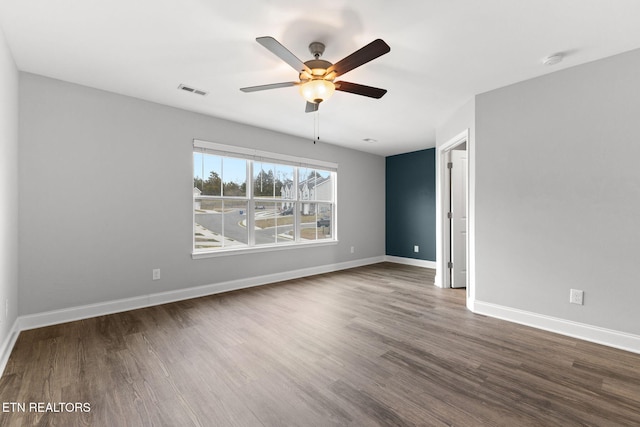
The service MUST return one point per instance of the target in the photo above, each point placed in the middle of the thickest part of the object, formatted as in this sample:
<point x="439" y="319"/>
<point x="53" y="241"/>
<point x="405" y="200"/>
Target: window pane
<point x="324" y="221"/>
<point x="234" y="176"/>
<point x="272" y="181"/>
<point x="197" y="173"/>
<point x="315" y="221"/>
<point x="315" y="184"/>
<point x="324" y="186"/>
<point x="208" y="224"/>
<point x="271" y="224"/>
<point x="219" y="223"/>
<point x="284" y="182"/>
<point x="263" y="179"/>
<point x="235" y="223"/>
<point x="207" y="172"/>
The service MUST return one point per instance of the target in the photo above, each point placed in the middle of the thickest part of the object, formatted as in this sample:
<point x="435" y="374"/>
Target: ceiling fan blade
<point x="311" y="107"/>
<point x="361" y="56"/>
<point x="371" y="92"/>
<point x="283" y="53"/>
<point x="266" y="87"/>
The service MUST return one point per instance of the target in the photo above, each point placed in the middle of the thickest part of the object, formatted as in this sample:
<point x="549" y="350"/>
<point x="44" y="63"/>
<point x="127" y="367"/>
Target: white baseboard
<point x="39" y="320"/>
<point x="7" y="345"/>
<point x="608" y="337"/>
<point x="411" y="261"/>
<point x="598" y="335"/>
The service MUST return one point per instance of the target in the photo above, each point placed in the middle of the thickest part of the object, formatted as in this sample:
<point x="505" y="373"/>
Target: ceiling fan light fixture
<point x="318" y="72"/>
<point x="316" y="91"/>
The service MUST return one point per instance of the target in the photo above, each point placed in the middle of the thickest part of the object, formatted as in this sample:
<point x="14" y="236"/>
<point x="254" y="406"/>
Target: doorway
<point x="454" y="215"/>
<point x="457" y="216"/>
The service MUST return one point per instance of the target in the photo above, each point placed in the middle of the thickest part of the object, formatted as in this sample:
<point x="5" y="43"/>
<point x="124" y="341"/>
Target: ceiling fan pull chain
<point x="315" y="126"/>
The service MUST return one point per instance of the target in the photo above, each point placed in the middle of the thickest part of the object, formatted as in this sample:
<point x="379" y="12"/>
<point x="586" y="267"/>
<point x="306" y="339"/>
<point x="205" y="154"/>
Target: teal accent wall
<point x="411" y="204"/>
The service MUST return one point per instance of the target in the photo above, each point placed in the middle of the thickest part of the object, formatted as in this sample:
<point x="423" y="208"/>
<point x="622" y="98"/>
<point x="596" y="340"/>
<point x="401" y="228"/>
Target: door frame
<point x="442" y="208"/>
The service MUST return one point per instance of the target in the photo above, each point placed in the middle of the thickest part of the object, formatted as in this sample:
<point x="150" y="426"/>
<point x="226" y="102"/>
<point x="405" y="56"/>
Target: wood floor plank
<point x="371" y="346"/>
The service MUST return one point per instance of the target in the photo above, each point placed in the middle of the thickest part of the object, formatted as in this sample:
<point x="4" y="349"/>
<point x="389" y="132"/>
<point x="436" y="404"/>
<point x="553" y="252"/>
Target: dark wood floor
<point x="376" y="345"/>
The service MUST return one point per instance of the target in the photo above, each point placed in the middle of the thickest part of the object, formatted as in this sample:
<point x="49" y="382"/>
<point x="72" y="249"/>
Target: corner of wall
<point x="9" y="80"/>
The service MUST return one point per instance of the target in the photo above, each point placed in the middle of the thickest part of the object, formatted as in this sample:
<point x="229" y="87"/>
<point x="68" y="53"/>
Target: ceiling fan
<point x="317" y="75"/>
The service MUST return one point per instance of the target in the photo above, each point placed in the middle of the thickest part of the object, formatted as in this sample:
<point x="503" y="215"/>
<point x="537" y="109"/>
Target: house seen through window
<point x="244" y="198"/>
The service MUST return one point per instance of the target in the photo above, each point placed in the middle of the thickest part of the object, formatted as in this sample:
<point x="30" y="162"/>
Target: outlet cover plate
<point x="576" y="296"/>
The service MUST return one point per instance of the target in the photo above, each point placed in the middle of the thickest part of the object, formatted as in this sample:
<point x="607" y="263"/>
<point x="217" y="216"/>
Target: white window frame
<point x="252" y="156"/>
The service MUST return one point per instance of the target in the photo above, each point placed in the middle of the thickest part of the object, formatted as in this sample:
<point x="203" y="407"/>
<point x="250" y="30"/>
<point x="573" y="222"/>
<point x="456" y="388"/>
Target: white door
<point x="458" y="218"/>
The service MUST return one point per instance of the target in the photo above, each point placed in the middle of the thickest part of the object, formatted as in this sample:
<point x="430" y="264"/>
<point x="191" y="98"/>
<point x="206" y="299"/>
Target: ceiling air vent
<point x="192" y="90"/>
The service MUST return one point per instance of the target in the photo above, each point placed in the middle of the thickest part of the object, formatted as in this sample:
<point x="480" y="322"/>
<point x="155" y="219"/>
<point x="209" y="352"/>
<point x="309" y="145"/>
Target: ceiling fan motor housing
<point x="318" y="69"/>
<point x="316" y="49"/>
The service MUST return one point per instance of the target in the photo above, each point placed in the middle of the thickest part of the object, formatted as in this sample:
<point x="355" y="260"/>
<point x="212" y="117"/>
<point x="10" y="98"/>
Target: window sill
<point x="263" y="248"/>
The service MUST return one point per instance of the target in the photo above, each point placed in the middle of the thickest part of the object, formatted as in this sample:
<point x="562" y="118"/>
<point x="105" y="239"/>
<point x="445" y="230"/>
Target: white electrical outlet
<point x="576" y="296"/>
<point x="416" y="248"/>
<point x="353" y="249"/>
<point x="156" y="274"/>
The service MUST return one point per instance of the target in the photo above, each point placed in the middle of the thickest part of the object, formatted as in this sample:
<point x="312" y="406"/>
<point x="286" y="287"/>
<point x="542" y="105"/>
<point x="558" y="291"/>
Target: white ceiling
<point x="442" y="53"/>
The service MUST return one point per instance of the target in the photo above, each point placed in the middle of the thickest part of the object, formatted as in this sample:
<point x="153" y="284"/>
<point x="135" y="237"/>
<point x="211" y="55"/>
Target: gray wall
<point x="558" y="194"/>
<point x="8" y="189"/>
<point x="106" y="196"/>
